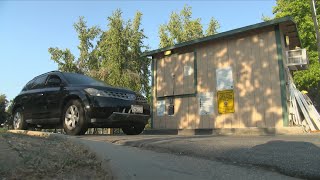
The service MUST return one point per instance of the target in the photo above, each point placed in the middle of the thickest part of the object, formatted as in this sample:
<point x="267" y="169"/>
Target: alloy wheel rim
<point x="17" y="120"/>
<point x="72" y="117"/>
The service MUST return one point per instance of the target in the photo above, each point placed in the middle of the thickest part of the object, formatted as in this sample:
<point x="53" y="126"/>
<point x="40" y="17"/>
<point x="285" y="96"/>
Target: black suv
<point x="77" y="102"/>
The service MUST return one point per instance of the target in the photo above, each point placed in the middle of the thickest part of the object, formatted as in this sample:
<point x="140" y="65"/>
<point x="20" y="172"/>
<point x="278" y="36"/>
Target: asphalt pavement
<point x="210" y="157"/>
<point x="135" y="163"/>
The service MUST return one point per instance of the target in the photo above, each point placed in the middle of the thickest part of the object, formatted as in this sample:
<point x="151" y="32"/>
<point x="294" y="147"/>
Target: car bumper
<point x="118" y="119"/>
<point x="109" y="112"/>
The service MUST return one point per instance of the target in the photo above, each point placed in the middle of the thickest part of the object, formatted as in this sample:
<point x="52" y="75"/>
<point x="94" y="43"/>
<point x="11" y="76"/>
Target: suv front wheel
<point x="19" y="122"/>
<point x="74" y="122"/>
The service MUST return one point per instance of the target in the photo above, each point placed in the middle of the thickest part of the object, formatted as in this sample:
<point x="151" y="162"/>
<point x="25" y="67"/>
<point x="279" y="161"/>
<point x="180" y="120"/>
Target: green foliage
<point x="265" y="18"/>
<point x="3" y="105"/>
<point x="64" y="58"/>
<point x="113" y="47"/>
<point x="181" y="27"/>
<point x="9" y="107"/>
<point x="87" y="60"/>
<point x="300" y="10"/>
<point x="213" y="26"/>
<point x="86" y="35"/>
<point x="113" y="55"/>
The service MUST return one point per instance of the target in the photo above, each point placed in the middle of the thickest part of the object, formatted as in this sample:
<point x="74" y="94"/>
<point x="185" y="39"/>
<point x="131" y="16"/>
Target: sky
<point x="29" y="28"/>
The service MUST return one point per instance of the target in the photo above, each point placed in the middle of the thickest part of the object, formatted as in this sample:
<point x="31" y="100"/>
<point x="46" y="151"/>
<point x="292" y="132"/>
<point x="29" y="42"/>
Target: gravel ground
<point x="294" y="155"/>
<point x="25" y="157"/>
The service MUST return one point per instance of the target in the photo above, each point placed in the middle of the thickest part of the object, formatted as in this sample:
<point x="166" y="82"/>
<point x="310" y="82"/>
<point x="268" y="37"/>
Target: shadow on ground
<point x="291" y="157"/>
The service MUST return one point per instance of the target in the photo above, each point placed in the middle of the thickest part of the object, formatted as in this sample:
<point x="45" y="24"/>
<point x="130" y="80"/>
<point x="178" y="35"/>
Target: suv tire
<point x="133" y="130"/>
<point x="19" y="122"/>
<point x="73" y="118"/>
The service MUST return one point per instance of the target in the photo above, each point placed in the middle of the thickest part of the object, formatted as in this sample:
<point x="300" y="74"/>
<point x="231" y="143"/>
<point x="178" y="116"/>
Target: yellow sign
<point x="225" y="101"/>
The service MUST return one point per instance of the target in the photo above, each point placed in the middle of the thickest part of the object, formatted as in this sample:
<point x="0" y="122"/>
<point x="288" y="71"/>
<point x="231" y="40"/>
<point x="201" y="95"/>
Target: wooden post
<point x="315" y="22"/>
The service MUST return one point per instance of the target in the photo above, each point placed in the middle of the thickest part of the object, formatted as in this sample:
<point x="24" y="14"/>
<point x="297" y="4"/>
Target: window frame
<point x="52" y="75"/>
<point x="41" y="84"/>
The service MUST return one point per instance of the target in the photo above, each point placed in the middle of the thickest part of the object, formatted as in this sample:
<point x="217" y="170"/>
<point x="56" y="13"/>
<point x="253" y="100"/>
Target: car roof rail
<point x="56" y="71"/>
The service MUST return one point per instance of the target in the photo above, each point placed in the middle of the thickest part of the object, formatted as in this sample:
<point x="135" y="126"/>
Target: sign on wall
<point x="224" y="78"/>
<point x="205" y="103"/>
<point x="225" y="101"/>
<point x="161" y="107"/>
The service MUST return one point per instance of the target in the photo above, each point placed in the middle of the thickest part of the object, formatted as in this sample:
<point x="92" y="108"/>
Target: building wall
<point x="254" y="62"/>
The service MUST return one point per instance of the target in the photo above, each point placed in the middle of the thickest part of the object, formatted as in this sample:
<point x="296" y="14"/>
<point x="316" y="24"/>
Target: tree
<point x="265" y="18"/>
<point x="66" y="60"/>
<point x="3" y="105"/>
<point x="9" y="107"/>
<point x="87" y="59"/>
<point x="113" y="55"/>
<point x="121" y="47"/>
<point x="300" y="10"/>
<point x="137" y="47"/>
<point x="181" y="27"/>
<point x="113" y="47"/>
<point x="213" y="26"/>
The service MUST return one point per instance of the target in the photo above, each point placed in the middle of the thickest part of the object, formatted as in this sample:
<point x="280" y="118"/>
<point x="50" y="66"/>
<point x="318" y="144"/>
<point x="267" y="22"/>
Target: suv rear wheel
<point x="74" y="122"/>
<point x="133" y="130"/>
<point x="19" y="122"/>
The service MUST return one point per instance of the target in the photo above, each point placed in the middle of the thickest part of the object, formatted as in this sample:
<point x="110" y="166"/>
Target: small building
<point x="235" y="79"/>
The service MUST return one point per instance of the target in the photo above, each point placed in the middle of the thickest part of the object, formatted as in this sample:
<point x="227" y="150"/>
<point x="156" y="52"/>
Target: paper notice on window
<point x="161" y="108"/>
<point x="187" y="71"/>
<point x="205" y="101"/>
<point x="224" y="78"/>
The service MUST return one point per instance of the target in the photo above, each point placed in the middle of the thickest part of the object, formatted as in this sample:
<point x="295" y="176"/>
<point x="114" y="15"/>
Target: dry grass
<point x="52" y="158"/>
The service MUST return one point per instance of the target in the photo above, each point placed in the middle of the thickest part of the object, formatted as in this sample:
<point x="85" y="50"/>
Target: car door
<point x="25" y="99"/>
<point x="39" y="109"/>
<point x="54" y="95"/>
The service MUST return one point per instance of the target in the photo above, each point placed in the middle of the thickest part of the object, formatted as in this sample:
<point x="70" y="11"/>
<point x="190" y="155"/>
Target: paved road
<point x="217" y="156"/>
<point x="135" y="163"/>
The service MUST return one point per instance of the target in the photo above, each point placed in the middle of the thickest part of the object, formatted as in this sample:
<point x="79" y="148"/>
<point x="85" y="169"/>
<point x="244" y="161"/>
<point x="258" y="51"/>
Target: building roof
<point x="230" y="33"/>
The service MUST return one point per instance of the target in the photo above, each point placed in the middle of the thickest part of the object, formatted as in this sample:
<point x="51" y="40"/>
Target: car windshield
<point x="79" y="79"/>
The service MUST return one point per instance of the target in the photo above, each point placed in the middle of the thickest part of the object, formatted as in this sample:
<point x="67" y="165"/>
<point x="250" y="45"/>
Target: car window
<point x="28" y="85"/>
<point x="53" y="81"/>
<point x="39" y="82"/>
<point x="79" y="79"/>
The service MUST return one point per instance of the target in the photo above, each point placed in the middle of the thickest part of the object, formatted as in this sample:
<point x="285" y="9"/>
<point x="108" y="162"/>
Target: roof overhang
<point x="287" y="24"/>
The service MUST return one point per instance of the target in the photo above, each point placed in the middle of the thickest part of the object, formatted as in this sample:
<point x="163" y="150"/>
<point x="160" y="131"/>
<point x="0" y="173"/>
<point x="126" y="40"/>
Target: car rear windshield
<point x="79" y="79"/>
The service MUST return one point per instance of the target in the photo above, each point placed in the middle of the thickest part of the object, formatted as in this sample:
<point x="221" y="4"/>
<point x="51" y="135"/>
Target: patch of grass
<point x="53" y="158"/>
<point x="3" y="130"/>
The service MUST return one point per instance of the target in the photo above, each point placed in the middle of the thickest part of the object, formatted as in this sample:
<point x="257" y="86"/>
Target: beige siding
<point x="203" y="81"/>
<point x="170" y="75"/>
<point x="232" y="54"/>
<point x="160" y="81"/>
<point x="254" y="62"/>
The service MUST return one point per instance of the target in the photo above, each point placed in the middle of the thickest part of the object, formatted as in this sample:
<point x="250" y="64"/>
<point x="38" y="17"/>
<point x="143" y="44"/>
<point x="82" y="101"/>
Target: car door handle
<point x="41" y="94"/>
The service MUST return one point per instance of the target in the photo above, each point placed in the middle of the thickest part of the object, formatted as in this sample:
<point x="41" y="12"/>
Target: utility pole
<point x="315" y="21"/>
